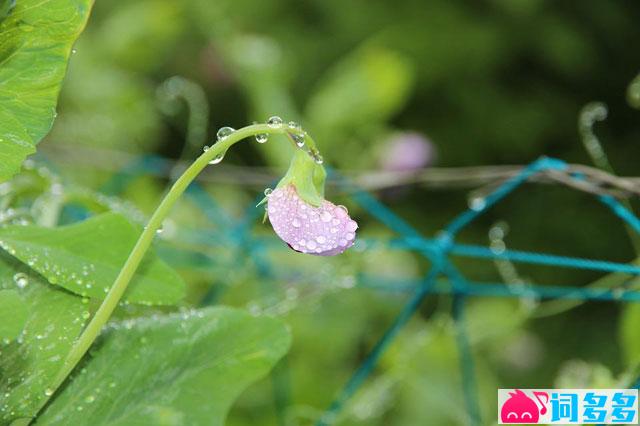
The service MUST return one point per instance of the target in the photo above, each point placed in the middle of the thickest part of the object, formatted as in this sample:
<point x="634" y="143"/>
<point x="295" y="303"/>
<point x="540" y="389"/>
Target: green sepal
<point x="307" y="177"/>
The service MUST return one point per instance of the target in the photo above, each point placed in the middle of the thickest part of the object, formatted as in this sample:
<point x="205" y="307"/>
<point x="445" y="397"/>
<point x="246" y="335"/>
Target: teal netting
<point x="438" y="250"/>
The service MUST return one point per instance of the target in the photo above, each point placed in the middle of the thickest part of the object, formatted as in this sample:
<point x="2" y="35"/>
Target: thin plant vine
<point x="303" y="185"/>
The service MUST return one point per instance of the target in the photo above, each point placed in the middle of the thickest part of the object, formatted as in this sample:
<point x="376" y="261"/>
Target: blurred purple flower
<point x="326" y="230"/>
<point x="407" y="152"/>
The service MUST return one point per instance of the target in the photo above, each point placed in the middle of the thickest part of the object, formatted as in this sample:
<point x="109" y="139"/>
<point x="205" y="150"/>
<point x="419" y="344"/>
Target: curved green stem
<point x="102" y="315"/>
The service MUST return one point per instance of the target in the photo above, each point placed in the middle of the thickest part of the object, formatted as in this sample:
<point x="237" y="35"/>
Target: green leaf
<point x="13" y="315"/>
<point x="86" y="257"/>
<point x="29" y="363"/>
<point x="35" y="43"/>
<point x="183" y="369"/>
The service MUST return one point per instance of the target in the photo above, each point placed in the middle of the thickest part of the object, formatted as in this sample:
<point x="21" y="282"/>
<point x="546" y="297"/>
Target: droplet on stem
<point x="217" y="159"/>
<point x="224" y="132"/>
<point x="267" y="192"/>
<point x="294" y="126"/>
<point x="298" y="139"/>
<point x="262" y="137"/>
<point x="274" y="121"/>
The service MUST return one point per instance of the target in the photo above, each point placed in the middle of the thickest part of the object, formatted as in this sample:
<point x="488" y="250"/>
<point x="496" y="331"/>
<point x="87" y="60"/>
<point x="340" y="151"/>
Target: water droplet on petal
<point x="274" y="121"/>
<point x="325" y="216"/>
<point x="262" y="137"/>
<point x="296" y="223"/>
<point x="320" y="239"/>
<point x="311" y="245"/>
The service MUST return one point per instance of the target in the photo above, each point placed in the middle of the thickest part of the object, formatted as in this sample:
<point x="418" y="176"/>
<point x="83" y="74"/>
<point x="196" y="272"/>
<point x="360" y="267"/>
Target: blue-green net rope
<point x="437" y="250"/>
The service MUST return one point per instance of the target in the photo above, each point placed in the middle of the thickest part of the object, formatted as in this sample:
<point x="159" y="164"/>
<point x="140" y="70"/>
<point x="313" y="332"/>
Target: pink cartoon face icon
<point x="519" y="408"/>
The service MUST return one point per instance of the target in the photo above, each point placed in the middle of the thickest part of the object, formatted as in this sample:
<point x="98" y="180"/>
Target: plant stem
<point x="102" y="315"/>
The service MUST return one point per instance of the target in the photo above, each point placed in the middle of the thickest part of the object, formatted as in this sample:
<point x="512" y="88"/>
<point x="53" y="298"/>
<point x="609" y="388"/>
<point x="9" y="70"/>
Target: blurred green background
<point x="492" y="82"/>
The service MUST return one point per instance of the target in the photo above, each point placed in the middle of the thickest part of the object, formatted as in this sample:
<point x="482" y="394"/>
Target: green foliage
<point x="628" y="332"/>
<point x="497" y="84"/>
<point x="35" y="42"/>
<point x="29" y="363"/>
<point x="182" y="369"/>
<point x="86" y="257"/>
<point x="366" y="87"/>
<point x="13" y="315"/>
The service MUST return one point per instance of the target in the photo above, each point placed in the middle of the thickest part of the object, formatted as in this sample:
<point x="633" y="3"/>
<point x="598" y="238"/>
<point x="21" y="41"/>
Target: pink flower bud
<point x="326" y="230"/>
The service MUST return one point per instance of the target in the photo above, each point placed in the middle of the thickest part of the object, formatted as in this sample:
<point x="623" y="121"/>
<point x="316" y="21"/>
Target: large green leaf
<point x="29" y="363"/>
<point x="13" y="315"/>
<point x="86" y="257"/>
<point x="183" y="369"/>
<point x="35" y="43"/>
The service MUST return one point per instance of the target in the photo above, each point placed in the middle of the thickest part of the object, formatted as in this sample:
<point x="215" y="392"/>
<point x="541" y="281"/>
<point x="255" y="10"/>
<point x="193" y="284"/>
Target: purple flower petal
<point x="407" y="152"/>
<point x="324" y="231"/>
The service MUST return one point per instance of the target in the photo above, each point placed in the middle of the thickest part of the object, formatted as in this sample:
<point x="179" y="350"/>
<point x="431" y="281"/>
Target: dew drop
<point x="206" y="148"/>
<point x="89" y="399"/>
<point x="268" y="192"/>
<point x="21" y="279"/>
<point x="299" y="140"/>
<point x="321" y="240"/>
<point x="86" y="314"/>
<point x="294" y="126"/>
<point x="217" y="159"/>
<point x="274" y="121"/>
<point x="296" y="223"/>
<point x="224" y="132"/>
<point x="325" y="216"/>
<point x="311" y="245"/>
<point x="48" y="392"/>
<point x="262" y="137"/>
